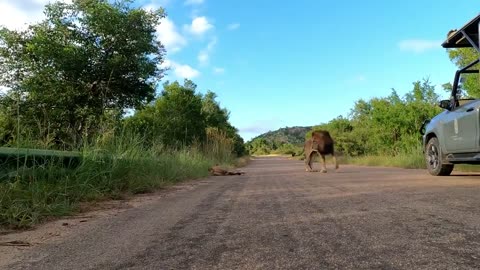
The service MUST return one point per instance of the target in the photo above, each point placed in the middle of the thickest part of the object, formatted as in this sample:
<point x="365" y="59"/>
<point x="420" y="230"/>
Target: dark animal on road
<point x="321" y="143"/>
<point x="218" y="171"/>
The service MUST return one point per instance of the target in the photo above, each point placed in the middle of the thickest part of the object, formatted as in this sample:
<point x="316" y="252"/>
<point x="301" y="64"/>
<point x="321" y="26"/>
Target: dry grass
<point x="242" y="161"/>
<point x="407" y="161"/>
<point x="112" y="170"/>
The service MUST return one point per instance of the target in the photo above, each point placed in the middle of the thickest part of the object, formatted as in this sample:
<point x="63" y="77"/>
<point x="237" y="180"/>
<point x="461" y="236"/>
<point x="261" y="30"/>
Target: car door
<point x="460" y="128"/>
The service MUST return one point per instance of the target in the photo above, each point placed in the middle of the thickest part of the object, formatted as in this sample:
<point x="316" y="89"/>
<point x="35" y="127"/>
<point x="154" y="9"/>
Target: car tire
<point x="433" y="158"/>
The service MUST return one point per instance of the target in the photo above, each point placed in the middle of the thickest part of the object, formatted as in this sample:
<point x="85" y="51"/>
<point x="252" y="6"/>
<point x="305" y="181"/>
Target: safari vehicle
<point x="453" y="136"/>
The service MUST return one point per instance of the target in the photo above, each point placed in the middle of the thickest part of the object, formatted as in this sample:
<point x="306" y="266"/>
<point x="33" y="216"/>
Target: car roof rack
<point x="465" y="37"/>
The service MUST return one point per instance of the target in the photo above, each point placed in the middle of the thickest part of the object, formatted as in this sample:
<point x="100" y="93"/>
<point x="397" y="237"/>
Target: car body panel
<point x="457" y="130"/>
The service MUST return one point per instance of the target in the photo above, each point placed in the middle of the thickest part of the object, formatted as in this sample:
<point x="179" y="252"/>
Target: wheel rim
<point x="433" y="157"/>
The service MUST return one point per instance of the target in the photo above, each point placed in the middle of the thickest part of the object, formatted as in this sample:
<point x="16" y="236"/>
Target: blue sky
<point x="306" y="62"/>
<point x="296" y="63"/>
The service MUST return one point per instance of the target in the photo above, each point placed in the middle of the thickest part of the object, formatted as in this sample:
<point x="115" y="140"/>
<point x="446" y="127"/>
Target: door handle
<point x="469" y="109"/>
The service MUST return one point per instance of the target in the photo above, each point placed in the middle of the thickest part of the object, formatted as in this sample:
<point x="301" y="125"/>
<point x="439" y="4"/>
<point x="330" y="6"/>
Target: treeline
<point x="86" y="79"/>
<point x="181" y="117"/>
<point x="390" y="126"/>
<point x="379" y="126"/>
<point x="74" y="79"/>
<point x="384" y="126"/>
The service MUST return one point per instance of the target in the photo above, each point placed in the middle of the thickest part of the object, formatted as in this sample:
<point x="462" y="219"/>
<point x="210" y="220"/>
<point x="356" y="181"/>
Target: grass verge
<point x="407" y="161"/>
<point x="30" y="194"/>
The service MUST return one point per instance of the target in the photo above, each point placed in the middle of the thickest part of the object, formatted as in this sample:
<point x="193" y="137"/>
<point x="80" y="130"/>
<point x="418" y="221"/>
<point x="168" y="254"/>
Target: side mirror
<point x="445" y="104"/>
<point x="422" y="128"/>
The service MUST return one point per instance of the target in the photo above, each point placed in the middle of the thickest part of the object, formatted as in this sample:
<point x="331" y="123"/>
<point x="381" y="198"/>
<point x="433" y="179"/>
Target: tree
<point x="385" y="125"/>
<point x="238" y="144"/>
<point x="462" y="57"/>
<point x="180" y="116"/>
<point x="215" y="116"/>
<point x="218" y="117"/>
<point x="179" y="112"/>
<point x="176" y="116"/>
<point x="390" y="125"/>
<point x="85" y="59"/>
<point x="422" y="92"/>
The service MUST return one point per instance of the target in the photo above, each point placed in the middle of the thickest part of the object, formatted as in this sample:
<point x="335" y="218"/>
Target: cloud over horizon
<point x="182" y="71"/>
<point x="419" y="45"/>
<point x="204" y="55"/>
<point x="169" y="36"/>
<point x="193" y="2"/>
<point x="16" y="15"/>
<point x="233" y="26"/>
<point x="199" y="26"/>
<point x="218" y="70"/>
<point x="260" y="126"/>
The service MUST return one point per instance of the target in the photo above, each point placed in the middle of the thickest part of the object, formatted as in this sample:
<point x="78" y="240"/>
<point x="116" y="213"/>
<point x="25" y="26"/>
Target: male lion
<point x="321" y="143"/>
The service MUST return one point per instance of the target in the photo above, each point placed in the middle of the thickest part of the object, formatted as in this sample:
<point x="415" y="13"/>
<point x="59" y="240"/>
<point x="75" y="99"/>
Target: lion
<point x="218" y="171"/>
<point x="321" y="144"/>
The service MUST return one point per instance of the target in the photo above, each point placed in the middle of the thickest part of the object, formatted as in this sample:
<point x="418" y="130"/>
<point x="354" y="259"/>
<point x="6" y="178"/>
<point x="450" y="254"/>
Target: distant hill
<point x="283" y="140"/>
<point x="292" y="135"/>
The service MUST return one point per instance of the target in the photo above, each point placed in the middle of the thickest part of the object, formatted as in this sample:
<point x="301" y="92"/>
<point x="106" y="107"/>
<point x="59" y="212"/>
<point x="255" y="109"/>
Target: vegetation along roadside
<point x="85" y="80"/>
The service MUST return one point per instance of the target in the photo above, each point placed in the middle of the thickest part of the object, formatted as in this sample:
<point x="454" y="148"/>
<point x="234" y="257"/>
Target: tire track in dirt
<point x="178" y="248"/>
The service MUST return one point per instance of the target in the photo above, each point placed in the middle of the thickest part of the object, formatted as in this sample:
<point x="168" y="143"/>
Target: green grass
<point x="467" y="168"/>
<point x="31" y="193"/>
<point x="407" y="161"/>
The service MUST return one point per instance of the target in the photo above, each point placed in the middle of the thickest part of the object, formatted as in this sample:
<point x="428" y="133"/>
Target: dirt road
<point x="277" y="216"/>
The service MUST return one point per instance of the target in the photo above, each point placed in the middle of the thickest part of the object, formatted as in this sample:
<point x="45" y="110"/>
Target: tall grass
<point x="402" y="160"/>
<point x="412" y="159"/>
<point x="110" y="168"/>
<point x="218" y="146"/>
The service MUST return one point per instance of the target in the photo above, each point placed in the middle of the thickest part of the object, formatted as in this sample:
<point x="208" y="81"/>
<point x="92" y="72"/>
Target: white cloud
<point x="199" y="26"/>
<point x="18" y="14"/>
<point x="360" y="78"/>
<point x="186" y="71"/>
<point x="204" y="55"/>
<point x="193" y="2"/>
<point x="419" y="45"/>
<point x="181" y="70"/>
<point x="233" y="26"/>
<point x="218" y="70"/>
<point x="261" y="126"/>
<point x="154" y="4"/>
<point x="212" y="44"/>
<point x="257" y="128"/>
<point x="168" y="35"/>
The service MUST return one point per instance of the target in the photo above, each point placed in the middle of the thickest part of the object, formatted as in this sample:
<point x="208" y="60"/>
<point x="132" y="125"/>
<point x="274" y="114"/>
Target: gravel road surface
<point x="277" y="216"/>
